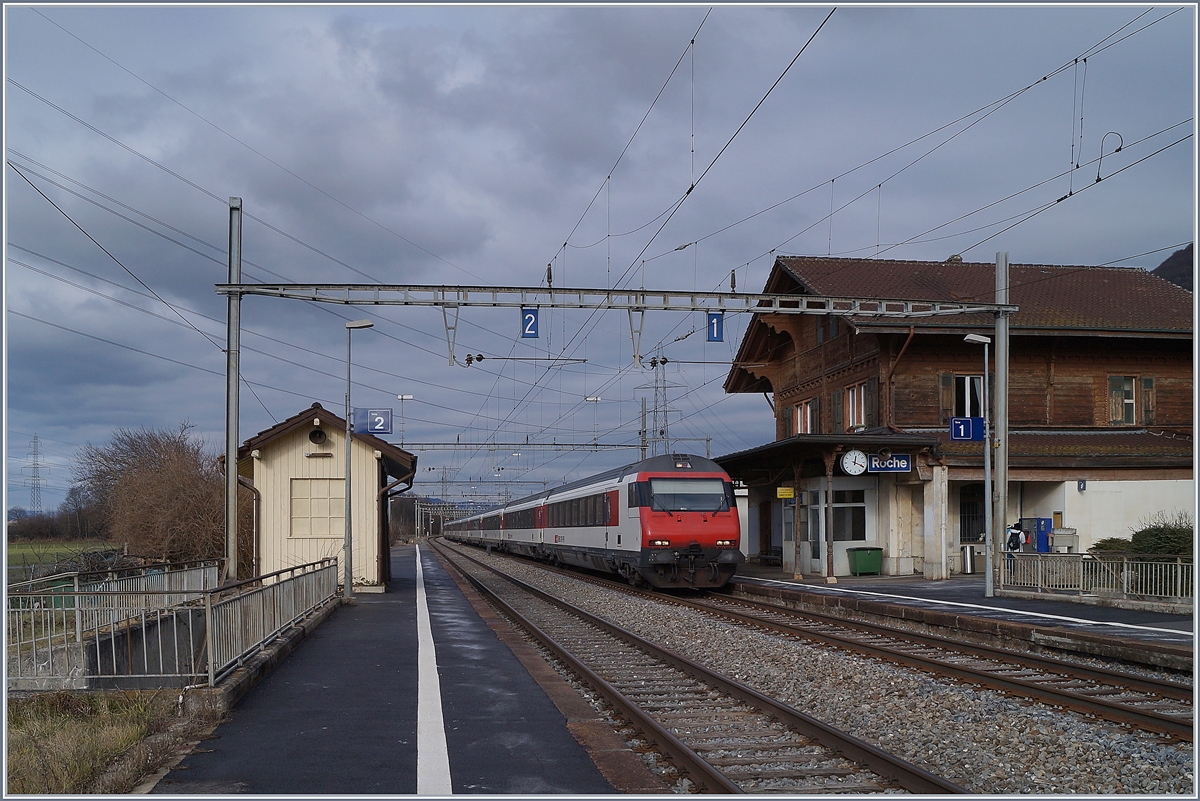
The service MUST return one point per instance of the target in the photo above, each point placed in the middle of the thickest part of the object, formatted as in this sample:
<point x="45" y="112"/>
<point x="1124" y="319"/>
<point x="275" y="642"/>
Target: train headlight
<point x="726" y="543"/>
<point x="660" y="543"/>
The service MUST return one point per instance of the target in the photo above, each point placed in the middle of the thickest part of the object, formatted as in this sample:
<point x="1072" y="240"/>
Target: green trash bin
<point x="865" y="560"/>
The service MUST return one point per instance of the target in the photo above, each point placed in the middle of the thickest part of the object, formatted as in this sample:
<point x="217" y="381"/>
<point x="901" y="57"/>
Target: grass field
<point x="24" y="555"/>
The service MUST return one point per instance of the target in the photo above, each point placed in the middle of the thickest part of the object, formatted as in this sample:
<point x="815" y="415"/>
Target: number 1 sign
<point x="716" y="327"/>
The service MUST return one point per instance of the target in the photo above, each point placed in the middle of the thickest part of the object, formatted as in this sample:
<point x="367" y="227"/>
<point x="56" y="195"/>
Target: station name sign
<point x="891" y="463"/>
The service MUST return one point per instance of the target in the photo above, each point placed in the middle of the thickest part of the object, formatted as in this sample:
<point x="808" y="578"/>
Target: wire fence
<point x="1168" y="579"/>
<point x="161" y="626"/>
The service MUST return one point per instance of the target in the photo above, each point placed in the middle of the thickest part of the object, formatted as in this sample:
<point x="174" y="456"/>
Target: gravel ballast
<point x="980" y="739"/>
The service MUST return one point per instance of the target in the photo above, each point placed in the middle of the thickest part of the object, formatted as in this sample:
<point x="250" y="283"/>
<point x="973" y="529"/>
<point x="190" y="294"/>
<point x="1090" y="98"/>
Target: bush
<point x="1112" y="545"/>
<point x="1166" y="534"/>
<point x="161" y="492"/>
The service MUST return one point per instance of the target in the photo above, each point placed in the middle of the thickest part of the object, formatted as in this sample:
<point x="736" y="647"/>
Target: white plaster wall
<point x="1115" y="508"/>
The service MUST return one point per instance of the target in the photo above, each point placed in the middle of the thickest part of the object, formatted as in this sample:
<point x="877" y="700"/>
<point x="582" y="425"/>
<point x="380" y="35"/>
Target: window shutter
<point x="871" y="403"/>
<point x="836" y="412"/>
<point x="1116" y="400"/>
<point x="814" y="416"/>
<point x="1148" y="401"/>
<point x="946" y="397"/>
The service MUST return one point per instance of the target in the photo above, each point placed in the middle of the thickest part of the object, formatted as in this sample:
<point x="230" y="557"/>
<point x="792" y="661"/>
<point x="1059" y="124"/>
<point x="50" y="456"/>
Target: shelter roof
<point x="783" y="455"/>
<point x="1107" y="448"/>
<point x="398" y="463"/>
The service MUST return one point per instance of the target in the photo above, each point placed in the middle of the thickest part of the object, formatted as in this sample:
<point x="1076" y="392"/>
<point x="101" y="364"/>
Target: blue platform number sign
<point x="529" y="323"/>
<point x="716" y="327"/>
<point x="372" y="421"/>
<point x="968" y="429"/>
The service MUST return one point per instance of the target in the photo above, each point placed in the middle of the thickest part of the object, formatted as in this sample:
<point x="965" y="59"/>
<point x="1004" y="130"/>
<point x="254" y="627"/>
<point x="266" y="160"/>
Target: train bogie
<point x="669" y="522"/>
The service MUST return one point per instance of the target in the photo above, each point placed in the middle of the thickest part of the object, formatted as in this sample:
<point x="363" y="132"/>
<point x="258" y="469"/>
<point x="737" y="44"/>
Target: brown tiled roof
<point x="1051" y="297"/>
<point x="398" y="462"/>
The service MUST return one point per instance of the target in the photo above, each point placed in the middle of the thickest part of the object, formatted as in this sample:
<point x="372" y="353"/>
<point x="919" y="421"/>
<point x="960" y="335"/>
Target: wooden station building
<point x="1100" y="410"/>
<point x="297" y="469"/>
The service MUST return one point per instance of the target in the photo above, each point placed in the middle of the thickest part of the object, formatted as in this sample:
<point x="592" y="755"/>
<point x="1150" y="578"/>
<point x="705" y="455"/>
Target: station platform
<point x="958" y="603"/>
<point x="418" y="690"/>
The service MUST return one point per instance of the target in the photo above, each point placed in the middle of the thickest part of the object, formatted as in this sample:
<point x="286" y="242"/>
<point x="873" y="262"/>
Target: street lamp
<point x="402" y="399"/>
<point x="349" y="544"/>
<point x="988" y="586"/>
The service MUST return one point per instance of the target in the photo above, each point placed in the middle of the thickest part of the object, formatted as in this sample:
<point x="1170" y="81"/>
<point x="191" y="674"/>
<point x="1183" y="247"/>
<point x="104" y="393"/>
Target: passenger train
<point x="668" y="521"/>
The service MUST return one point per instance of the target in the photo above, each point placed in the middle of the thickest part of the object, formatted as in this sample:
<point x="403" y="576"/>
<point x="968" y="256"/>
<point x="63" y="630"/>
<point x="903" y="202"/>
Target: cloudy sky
<point x="477" y="145"/>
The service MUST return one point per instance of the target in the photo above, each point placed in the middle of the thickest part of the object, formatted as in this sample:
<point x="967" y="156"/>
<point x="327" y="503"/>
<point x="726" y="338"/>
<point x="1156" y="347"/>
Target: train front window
<point x="688" y="495"/>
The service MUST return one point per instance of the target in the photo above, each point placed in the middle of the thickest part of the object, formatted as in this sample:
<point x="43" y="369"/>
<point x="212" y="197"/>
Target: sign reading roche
<point x="895" y="463"/>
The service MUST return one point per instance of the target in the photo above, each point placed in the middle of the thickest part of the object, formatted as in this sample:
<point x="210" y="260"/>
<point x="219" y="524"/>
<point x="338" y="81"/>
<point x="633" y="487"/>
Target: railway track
<point x="1149" y="704"/>
<point x="723" y="736"/>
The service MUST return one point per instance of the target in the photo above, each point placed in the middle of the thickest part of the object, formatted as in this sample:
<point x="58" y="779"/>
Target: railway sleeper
<point x="857" y="788"/>
<point x="795" y="773"/>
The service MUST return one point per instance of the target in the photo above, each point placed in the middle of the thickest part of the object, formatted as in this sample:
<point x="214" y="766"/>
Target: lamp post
<point x="402" y="399"/>
<point x="349" y="544"/>
<point x="988" y="586"/>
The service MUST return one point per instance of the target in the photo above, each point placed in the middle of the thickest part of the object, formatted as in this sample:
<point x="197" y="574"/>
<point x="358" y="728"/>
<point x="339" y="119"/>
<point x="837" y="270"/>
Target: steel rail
<point x="1168" y="689"/>
<point x="684" y="758"/>
<point x="1077" y="701"/>
<point x="909" y="776"/>
<point x="1171" y="725"/>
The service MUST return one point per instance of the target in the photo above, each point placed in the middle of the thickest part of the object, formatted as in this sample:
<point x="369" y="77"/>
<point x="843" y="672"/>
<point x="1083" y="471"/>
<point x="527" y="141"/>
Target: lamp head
<point x="978" y="339"/>
<point x="360" y="324"/>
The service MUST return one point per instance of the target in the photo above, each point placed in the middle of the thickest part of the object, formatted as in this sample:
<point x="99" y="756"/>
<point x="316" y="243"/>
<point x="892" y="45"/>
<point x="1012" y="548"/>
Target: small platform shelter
<point x="297" y="470"/>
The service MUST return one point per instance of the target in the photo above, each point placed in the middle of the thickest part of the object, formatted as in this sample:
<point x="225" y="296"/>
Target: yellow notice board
<point x="785" y="492"/>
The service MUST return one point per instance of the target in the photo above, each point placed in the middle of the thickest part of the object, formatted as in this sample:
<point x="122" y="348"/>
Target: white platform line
<point x="847" y="590"/>
<point x="433" y="757"/>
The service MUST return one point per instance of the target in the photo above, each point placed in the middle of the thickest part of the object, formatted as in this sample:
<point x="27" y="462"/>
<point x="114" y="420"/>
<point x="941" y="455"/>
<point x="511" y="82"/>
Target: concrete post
<point x="1000" y="513"/>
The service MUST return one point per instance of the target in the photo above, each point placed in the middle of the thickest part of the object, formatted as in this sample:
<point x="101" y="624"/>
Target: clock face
<point x="854" y="462"/>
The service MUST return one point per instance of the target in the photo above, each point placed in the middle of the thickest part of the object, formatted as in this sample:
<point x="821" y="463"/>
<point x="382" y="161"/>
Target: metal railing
<point x="241" y="624"/>
<point x="1168" y="579"/>
<point x="157" y="629"/>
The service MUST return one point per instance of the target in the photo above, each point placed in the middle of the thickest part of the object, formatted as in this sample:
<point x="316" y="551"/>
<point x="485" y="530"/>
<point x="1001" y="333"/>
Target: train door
<point x="612" y="519"/>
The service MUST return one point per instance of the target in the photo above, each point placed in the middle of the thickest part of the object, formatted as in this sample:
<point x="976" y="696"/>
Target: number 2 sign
<point x="529" y="323"/>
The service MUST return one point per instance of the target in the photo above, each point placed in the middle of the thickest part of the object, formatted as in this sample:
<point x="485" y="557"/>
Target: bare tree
<point x="160" y="491"/>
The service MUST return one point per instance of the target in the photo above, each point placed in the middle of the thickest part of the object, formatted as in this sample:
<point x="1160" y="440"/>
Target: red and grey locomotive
<point x="668" y="521"/>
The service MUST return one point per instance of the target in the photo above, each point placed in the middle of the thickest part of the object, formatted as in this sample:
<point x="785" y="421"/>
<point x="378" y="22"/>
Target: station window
<point x="855" y="408"/>
<point x="849" y="515"/>
<point x="1127" y="395"/>
<point x="968" y="396"/>
<point x="318" y="507"/>
<point x="806" y="417"/>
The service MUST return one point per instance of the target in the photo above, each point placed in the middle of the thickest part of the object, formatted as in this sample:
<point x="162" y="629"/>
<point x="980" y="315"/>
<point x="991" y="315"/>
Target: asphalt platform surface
<point x="964" y="594"/>
<point x="338" y="715"/>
